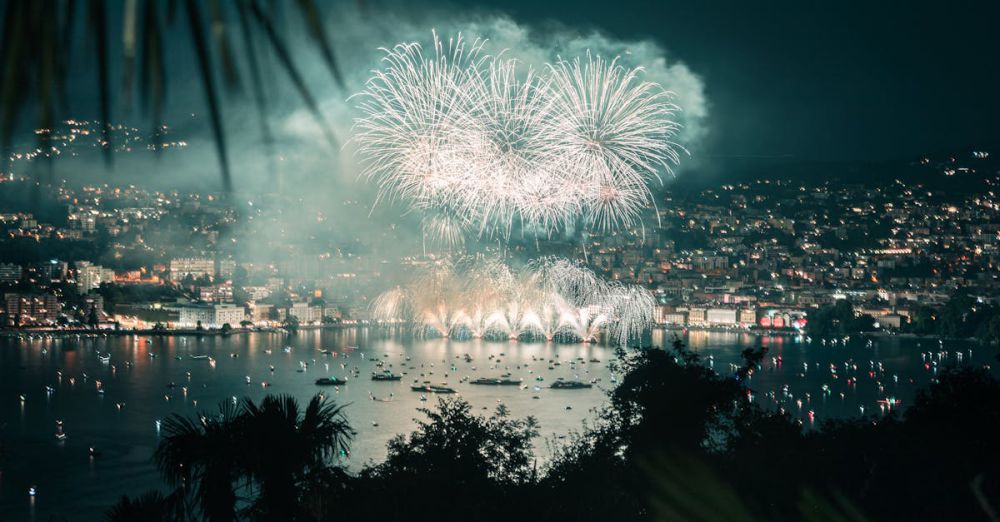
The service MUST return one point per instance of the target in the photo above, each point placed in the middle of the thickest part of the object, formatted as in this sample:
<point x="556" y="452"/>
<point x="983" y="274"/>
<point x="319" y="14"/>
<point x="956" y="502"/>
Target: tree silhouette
<point x="309" y="440"/>
<point x="488" y="459"/>
<point x="675" y="442"/>
<point x="148" y="507"/>
<point x="267" y="449"/>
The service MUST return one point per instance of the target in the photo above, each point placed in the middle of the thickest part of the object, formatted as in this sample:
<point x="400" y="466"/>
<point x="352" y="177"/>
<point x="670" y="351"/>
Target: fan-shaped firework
<point x="496" y="145"/>
<point x="547" y="299"/>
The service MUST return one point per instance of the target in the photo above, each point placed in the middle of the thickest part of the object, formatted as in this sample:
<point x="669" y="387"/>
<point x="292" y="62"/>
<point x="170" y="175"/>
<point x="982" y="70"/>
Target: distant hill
<point x="965" y="171"/>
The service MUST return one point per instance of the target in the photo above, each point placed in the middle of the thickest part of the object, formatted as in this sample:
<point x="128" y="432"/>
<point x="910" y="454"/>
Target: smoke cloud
<point x="534" y="46"/>
<point x="313" y="187"/>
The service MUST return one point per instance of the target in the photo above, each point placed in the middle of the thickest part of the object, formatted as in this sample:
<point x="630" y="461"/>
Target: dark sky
<point x="820" y="80"/>
<point x="796" y="80"/>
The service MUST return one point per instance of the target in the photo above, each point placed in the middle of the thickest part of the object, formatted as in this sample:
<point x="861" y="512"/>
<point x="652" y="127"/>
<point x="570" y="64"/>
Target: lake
<point x="148" y="378"/>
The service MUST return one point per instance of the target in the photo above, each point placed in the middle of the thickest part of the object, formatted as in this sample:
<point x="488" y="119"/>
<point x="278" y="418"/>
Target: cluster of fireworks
<point x="550" y="299"/>
<point x="479" y="143"/>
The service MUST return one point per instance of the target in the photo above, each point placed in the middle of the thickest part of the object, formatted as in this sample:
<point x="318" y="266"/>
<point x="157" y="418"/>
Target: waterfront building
<point x="721" y="316"/>
<point x="31" y="309"/>
<point x="674" y="319"/>
<point x="260" y="312"/>
<point x="300" y="311"/>
<point x="210" y="316"/>
<point x="748" y="317"/>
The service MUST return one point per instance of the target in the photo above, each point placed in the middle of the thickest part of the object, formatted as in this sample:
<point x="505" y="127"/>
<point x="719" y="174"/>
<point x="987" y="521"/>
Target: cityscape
<point x="762" y="255"/>
<point x="388" y="260"/>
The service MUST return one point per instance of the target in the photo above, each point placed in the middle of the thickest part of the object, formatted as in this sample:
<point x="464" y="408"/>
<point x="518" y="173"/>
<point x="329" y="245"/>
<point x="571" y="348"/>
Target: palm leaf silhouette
<point x="34" y="60"/>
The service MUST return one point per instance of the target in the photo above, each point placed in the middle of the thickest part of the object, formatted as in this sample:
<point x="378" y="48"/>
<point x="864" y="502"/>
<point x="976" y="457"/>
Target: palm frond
<point x="314" y="23"/>
<point x="12" y="57"/>
<point x="256" y="83"/>
<point x="152" y="75"/>
<point x="37" y="40"/>
<point x="285" y="58"/>
<point x="208" y="85"/>
<point x="98" y="18"/>
<point x="219" y="29"/>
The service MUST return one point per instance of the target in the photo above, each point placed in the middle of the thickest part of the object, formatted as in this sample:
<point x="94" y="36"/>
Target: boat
<point x="430" y="388"/>
<point x="330" y="381"/>
<point x="570" y="385"/>
<point x="199" y="357"/>
<point x="386" y="377"/>
<point x="495" y="382"/>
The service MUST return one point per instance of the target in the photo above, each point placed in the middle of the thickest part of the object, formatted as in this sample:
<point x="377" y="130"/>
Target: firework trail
<point x="549" y="298"/>
<point x="490" y="145"/>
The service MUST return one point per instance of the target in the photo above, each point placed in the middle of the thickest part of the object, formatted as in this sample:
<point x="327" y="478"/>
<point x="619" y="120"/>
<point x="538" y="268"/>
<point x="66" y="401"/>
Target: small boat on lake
<point x="330" y="381"/>
<point x="495" y="382"/>
<point x="570" y="385"/>
<point x="430" y="388"/>
<point x="386" y="377"/>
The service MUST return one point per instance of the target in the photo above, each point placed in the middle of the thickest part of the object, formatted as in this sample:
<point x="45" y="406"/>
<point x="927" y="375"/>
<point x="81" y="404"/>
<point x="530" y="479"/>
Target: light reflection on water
<point x="120" y="424"/>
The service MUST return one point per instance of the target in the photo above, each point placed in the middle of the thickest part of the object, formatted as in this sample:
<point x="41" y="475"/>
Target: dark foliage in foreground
<point x="676" y="442"/>
<point x="35" y="36"/>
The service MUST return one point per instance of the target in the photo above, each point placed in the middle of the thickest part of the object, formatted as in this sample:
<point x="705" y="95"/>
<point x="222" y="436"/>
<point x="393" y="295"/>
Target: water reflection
<point x="115" y="406"/>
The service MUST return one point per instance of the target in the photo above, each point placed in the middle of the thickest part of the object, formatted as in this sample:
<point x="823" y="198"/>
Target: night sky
<point x="820" y="80"/>
<point x="782" y="80"/>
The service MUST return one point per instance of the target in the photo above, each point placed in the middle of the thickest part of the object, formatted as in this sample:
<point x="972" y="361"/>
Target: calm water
<point x="121" y="423"/>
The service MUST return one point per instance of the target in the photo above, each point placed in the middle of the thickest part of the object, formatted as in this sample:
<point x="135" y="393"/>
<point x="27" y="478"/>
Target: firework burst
<point x="496" y="145"/>
<point x="550" y="298"/>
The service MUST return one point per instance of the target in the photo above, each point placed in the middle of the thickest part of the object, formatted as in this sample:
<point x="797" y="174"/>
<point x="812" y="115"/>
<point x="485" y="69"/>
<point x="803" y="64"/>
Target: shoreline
<point x="89" y="332"/>
<point x="791" y="333"/>
<point x="110" y="332"/>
